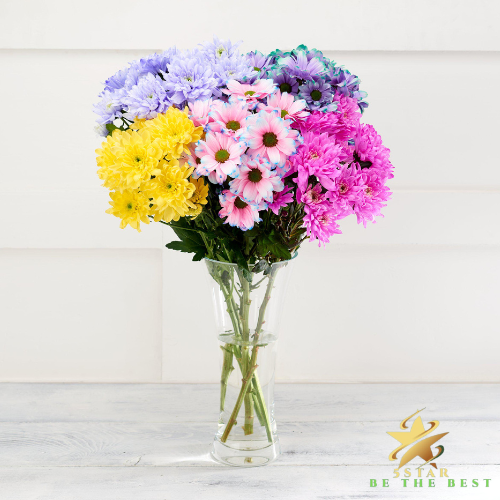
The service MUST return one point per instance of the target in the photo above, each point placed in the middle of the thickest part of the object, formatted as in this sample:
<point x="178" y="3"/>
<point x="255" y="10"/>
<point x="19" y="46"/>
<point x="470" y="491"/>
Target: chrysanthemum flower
<point x="318" y="156"/>
<point x="199" y="197"/>
<point x="110" y="106"/>
<point x="219" y="155"/>
<point x="256" y="181"/>
<point x="170" y="191"/>
<point x="236" y="67"/>
<point x="174" y="130"/>
<point x="131" y="206"/>
<point x="270" y="136"/>
<point x="284" y="82"/>
<point x="259" y="62"/>
<point x="238" y="212"/>
<point x="343" y="82"/>
<point x="219" y="49"/>
<point x="374" y="196"/>
<point x="189" y="78"/>
<point x="298" y="65"/>
<point x="229" y="117"/>
<point x="286" y="105"/>
<point x="318" y="95"/>
<point x="281" y="199"/>
<point x="147" y="98"/>
<point x="348" y="191"/>
<point x="369" y="152"/>
<point x="250" y="92"/>
<point x="128" y="158"/>
<point x="199" y="112"/>
<point x="321" y="225"/>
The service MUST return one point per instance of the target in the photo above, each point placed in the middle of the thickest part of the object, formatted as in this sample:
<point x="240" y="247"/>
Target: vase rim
<point x="233" y="264"/>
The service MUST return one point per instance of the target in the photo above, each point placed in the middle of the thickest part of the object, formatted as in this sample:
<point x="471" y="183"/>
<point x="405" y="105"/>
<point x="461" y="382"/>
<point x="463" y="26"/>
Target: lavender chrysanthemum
<point x="147" y="98"/>
<point x="236" y="67"/>
<point x="318" y="95"/>
<point x="110" y="106"/>
<point x="259" y="62"/>
<point x="346" y="84"/>
<point x="190" y="78"/>
<point x="219" y="49"/>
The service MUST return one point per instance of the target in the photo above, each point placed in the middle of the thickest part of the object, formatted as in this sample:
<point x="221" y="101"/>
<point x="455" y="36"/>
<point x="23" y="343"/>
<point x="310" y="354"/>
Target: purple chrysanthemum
<point x="235" y="67"/>
<point x="110" y="106"/>
<point x="318" y="95"/>
<point x="147" y="98"/>
<point x="219" y="49"/>
<point x="300" y="66"/>
<point x="285" y="82"/>
<point x="190" y="78"/>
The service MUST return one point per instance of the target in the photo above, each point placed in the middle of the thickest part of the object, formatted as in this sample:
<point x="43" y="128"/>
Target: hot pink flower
<point x="318" y="156"/>
<point x="348" y="191"/>
<point x="374" y="194"/>
<point x="270" y="136"/>
<point x="321" y="224"/>
<point x="286" y="106"/>
<point x="219" y="156"/>
<point x="238" y="212"/>
<point x="281" y="199"/>
<point x="256" y="181"/>
<point x="250" y="92"/>
<point x="229" y="117"/>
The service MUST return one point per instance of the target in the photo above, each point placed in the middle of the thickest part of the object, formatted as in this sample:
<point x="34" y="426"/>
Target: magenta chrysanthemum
<point x="270" y="136"/>
<point x="318" y="156"/>
<point x="256" y="181"/>
<point x="369" y="152"/>
<point x="281" y="199"/>
<point x="239" y="213"/>
<point x="373" y="197"/>
<point x="219" y="156"/>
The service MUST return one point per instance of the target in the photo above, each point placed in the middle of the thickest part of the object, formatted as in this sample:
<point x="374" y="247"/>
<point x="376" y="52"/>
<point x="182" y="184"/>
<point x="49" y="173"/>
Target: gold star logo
<point x="421" y="449"/>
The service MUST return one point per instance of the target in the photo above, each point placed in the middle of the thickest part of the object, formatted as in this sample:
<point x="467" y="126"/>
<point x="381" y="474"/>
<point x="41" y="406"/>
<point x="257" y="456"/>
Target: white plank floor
<point x="150" y="442"/>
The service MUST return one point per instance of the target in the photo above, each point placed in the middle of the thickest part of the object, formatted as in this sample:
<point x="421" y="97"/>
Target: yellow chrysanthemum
<point x="174" y="130"/>
<point x="199" y="197"/>
<point x="131" y="206"/>
<point x="129" y="158"/>
<point x="171" y="192"/>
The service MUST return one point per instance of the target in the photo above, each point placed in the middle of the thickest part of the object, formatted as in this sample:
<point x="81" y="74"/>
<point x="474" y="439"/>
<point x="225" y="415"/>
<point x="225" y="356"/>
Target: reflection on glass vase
<point x="248" y="308"/>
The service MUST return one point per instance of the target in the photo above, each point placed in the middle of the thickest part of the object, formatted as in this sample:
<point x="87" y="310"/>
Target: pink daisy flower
<point x="256" y="181"/>
<point x="199" y="112"/>
<point x="270" y="136"/>
<point x="281" y="199"/>
<point x="229" y="117"/>
<point x="219" y="156"/>
<point x="286" y="106"/>
<point x="250" y="92"/>
<point x="238" y="212"/>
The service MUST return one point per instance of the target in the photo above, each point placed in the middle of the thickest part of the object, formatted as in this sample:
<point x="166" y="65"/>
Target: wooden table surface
<point x="151" y="442"/>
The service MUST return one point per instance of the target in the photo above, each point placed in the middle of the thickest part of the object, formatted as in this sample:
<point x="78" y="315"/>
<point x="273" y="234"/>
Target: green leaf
<point x="111" y="127"/>
<point x="262" y="265"/>
<point x="187" y="246"/>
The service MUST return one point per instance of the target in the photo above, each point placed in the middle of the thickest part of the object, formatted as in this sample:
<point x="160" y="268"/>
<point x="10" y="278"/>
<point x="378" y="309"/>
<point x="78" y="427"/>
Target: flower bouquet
<point x="244" y="156"/>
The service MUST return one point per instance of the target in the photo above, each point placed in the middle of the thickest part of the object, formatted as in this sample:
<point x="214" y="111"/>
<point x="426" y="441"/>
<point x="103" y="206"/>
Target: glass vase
<point x="248" y="308"/>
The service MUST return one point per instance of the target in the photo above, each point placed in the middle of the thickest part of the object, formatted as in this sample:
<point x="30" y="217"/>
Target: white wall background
<point x="415" y="297"/>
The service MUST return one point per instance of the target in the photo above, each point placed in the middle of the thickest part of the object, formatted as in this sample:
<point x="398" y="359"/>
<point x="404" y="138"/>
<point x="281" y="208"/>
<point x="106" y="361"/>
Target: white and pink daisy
<point x="256" y="181"/>
<point x="219" y="156"/>
<point x="229" y="117"/>
<point x="239" y="213"/>
<point x="286" y="106"/>
<point x="250" y="92"/>
<point x="270" y="136"/>
<point x="199" y="112"/>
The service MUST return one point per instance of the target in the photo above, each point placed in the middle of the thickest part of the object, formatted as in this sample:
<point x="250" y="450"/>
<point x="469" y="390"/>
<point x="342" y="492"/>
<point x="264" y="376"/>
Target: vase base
<point x="235" y="457"/>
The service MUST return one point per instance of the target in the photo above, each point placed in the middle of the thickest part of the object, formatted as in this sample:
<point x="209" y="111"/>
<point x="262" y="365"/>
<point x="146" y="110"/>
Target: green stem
<point x="239" y="402"/>
<point x="227" y="368"/>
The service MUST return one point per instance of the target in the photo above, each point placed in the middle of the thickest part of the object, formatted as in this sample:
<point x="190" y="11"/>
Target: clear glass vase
<point x="248" y="308"/>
